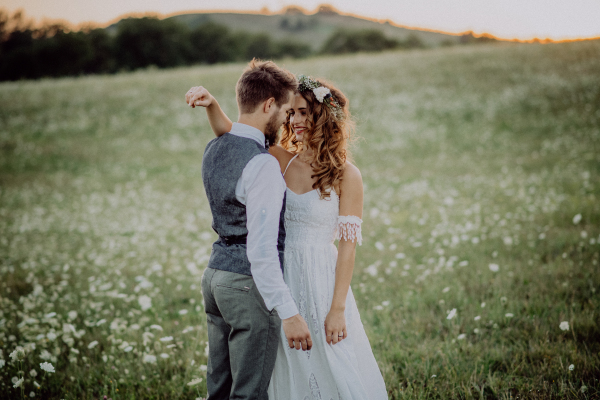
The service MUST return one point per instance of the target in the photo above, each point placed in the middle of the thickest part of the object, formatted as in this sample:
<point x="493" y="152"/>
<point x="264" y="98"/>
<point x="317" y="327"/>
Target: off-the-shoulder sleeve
<point x="349" y="228"/>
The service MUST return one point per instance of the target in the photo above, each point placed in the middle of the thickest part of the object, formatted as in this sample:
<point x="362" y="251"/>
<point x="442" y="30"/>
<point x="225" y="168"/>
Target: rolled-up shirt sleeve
<point x="264" y="193"/>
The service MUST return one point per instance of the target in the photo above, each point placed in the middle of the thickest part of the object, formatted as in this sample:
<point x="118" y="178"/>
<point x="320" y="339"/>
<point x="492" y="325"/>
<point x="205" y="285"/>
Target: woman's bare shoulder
<point x="351" y="182"/>
<point x="351" y="176"/>
<point x="282" y="155"/>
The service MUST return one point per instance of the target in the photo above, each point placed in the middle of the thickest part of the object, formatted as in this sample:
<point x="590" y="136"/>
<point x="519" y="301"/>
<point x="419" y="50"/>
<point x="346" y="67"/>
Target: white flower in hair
<point x="321" y="92"/>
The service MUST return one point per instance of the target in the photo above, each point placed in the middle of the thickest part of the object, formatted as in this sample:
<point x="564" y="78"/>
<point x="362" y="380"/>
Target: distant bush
<point x="346" y="41"/>
<point x="470" y="38"/>
<point x="141" y="42"/>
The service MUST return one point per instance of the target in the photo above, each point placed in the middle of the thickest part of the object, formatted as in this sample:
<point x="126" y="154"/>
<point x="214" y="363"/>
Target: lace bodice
<point x="312" y="221"/>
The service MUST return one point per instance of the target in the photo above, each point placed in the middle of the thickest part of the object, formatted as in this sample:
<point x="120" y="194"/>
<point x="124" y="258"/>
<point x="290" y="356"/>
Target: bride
<point x="324" y="203"/>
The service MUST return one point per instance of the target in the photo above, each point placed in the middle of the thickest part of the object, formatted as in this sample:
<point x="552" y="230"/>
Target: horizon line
<point x="266" y="11"/>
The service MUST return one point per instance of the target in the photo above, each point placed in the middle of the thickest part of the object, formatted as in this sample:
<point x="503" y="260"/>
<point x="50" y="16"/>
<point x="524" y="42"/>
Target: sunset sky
<point x="522" y="19"/>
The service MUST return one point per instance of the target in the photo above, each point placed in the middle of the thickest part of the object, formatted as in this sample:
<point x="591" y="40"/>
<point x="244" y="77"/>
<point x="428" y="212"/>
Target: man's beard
<point x="272" y="130"/>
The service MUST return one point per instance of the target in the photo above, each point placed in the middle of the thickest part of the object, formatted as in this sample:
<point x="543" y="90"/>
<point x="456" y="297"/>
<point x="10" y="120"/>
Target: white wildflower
<point x="183" y="312"/>
<point x="93" y="344"/>
<point x="72" y="315"/>
<point x="203" y="367"/>
<point x="320" y="93"/>
<point x="477" y="318"/>
<point x="18" y="354"/>
<point x="33" y="373"/>
<point x="157" y="327"/>
<point x="461" y="336"/>
<point x="564" y="326"/>
<point x="509" y="315"/>
<point x="2" y="363"/>
<point x="18" y="383"/>
<point x="32" y="394"/>
<point x="434" y="376"/>
<point x="149" y="359"/>
<point x="50" y="315"/>
<point x="571" y="367"/>
<point x="577" y="219"/>
<point x="37" y="385"/>
<point x="166" y="339"/>
<point x="194" y="382"/>
<point x="128" y="349"/>
<point x="446" y="289"/>
<point x="494" y="267"/>
<point x="145" y="302"/>
<point x="46" y="366"/>
<point x="483" y="305"/>
<point x="164" y="355"/>
<point x="451" y="314"/>
<point x="45" y="355"/>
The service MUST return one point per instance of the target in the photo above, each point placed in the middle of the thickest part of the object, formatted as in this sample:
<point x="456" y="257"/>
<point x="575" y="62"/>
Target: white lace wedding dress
<point x="343" y="371"/>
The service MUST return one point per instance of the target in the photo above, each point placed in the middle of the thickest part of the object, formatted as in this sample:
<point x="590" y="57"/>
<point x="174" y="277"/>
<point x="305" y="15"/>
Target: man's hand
<point x="335" y="326"/>
<point x="297" y="333"/>
<point x="198" y="96"/>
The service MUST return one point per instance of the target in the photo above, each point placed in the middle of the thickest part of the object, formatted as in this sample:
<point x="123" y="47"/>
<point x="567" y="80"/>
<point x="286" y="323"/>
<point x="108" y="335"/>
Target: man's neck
<point x="250" y="120"/>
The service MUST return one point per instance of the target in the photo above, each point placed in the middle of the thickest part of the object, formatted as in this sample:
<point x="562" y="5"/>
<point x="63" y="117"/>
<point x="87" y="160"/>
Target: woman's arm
<point x="351" y="204"/>
<point x="199" y="96"/>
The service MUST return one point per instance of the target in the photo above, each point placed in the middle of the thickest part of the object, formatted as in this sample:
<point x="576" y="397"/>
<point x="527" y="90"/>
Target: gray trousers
<point x="242" y="337"/>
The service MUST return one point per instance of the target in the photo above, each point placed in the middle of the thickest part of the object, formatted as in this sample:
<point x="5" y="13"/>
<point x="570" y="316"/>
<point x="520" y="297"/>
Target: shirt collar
<point x="247" y="131"/>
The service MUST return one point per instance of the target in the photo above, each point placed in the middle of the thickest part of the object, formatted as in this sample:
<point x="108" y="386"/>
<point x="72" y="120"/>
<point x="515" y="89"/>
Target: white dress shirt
<point x="261" y="189"/>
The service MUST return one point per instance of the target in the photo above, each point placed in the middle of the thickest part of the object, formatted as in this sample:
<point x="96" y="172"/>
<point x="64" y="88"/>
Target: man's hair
<point x="262" y="80"/>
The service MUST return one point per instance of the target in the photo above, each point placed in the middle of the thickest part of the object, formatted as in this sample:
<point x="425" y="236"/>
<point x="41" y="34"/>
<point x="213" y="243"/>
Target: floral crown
<point x="322" y="93"/>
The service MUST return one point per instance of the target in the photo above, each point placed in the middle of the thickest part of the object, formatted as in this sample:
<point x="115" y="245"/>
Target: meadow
<point x="478" y="276"/>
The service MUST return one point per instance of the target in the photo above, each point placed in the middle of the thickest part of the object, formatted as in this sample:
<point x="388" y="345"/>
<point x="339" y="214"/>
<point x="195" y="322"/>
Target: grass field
<point x="478" y="276"/>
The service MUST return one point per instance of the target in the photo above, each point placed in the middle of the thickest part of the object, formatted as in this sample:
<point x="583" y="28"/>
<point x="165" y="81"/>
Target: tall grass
<point x="482" y="224"/>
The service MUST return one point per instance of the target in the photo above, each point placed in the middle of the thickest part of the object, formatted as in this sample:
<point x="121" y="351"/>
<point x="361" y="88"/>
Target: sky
<point x="520" y="19"/>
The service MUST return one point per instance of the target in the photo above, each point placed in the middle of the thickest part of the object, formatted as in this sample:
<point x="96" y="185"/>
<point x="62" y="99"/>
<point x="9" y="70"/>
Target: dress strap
<point x="286" y="168"/>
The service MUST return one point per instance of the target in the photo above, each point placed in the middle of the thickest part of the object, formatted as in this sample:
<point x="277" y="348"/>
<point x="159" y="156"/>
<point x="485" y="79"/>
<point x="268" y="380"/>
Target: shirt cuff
<point x="287" y="309"/>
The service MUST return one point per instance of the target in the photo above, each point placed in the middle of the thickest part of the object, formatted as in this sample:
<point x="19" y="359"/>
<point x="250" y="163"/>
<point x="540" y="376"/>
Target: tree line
<point x="54" y="50"/>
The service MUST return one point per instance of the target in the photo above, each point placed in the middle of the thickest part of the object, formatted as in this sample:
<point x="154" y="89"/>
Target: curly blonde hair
<point x="326" y="135"/>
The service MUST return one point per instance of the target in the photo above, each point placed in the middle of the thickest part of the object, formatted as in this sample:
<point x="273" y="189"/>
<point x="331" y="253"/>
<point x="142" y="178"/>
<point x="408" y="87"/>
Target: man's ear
<point x="270" y="102"/>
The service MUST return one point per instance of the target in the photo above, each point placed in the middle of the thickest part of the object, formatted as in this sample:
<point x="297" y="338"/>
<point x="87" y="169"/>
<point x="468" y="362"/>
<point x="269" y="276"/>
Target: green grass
<point x="470" y="157"/>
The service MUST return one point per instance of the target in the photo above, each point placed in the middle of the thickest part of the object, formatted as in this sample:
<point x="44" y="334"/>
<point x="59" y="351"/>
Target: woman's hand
<point x="335" y="326"/>
<point x="198" y="96"/>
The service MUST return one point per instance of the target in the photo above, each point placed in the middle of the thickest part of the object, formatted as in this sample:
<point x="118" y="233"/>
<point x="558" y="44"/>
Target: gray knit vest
<point x="222" y="165"/>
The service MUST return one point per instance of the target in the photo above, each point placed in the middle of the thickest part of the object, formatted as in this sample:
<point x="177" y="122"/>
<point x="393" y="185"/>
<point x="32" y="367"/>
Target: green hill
<point x="312" y="29"/>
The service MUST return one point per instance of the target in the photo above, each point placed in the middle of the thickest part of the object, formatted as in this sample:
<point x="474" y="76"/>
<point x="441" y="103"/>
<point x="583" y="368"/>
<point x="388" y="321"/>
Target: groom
<point x="245" y="296"/>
